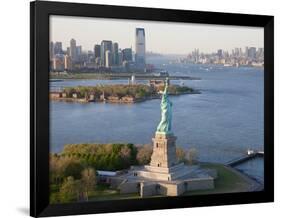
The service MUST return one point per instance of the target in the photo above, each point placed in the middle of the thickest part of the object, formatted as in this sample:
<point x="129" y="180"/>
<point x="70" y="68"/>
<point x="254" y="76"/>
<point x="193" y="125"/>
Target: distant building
<point x="73" y="50"/>
<point x="140" y="47"/>
<point x="51" y="51"/>
<point x="220" y="53"/>
<point x="108" y="58"/>
<point x="246" y="51"/>
<point x="127" y="54"/>
<point x="195" y="55"/>
<point x="98" y="61"/>
<point x="252" y="52"/>
<point x="236" y="52"/>
<point x="58" y="63"/>
<point x="91" y="56"/>
<point x="120" y="57"/>
<point x="67" y="63"/>
<point x="115" y="53"/>
<point x="58" y="48"/>
<point x="97" y="51"/>
<point x="68" y="51"/>
<point x="260" y="53"/>
<point x="106" y="45"/>
<point x="78" y="50"/>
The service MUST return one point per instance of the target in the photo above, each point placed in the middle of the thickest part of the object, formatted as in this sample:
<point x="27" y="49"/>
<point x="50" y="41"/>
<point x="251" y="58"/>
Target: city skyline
<point x="180" y="39"/>
<point x="108" y="55"/>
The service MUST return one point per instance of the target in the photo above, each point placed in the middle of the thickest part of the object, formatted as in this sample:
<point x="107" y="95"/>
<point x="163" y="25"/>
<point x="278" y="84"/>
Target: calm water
<point x="221" y="123"/>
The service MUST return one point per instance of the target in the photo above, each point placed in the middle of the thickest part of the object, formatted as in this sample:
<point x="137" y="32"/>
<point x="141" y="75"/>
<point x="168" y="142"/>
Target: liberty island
<point x="164" y="175"/>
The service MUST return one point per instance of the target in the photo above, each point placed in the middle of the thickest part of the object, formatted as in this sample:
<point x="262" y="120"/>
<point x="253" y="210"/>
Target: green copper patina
<point x="165" y="125"/>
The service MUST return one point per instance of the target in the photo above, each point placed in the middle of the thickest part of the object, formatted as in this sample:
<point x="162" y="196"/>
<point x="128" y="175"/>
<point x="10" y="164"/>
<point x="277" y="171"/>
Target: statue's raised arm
<point x="166" y="86"/>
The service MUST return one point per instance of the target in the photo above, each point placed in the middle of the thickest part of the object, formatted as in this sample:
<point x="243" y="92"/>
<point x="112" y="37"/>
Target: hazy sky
<point x="162" y="37"/>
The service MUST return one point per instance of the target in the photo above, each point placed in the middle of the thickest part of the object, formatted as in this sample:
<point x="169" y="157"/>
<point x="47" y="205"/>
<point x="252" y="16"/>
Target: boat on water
<point x="55" y="80"/>
<point x="227" y="65"/>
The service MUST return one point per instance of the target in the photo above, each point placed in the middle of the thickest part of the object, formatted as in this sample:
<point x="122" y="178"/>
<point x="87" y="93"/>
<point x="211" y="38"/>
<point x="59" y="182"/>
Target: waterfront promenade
<point x="116" y="76"/>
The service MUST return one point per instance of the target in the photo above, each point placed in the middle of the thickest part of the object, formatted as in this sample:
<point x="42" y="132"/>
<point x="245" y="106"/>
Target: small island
<point x="130" y="93"/>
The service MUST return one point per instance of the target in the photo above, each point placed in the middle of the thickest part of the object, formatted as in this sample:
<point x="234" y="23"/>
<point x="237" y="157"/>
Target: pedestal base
<point x="173" y="181"/>
<point x="165" y="173"/>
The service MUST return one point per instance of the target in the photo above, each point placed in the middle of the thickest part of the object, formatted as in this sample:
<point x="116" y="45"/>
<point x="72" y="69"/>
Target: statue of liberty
<point x="165" y="125"/>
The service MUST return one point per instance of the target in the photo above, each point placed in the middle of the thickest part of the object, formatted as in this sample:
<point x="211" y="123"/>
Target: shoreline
<point x="115" y="76"/>
<point x="116" y="101"/>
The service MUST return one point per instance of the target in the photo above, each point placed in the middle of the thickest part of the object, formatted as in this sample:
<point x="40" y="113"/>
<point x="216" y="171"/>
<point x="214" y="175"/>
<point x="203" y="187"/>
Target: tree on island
<point x="144" y="154"/>
<point x="70" y="190"/>
<point x="73" y="169"/>
<point x="88" y="181"/>
<point x="181" y="154"/>
<point x="192" y="156"/>
<point x="125" y="154"/>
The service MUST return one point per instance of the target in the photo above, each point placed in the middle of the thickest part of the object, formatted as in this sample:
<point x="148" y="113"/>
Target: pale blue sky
<point x="162" y="37"/>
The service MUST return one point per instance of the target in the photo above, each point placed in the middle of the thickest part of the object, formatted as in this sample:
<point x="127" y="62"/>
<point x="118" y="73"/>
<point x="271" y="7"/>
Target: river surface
<point x="222" y="122"/>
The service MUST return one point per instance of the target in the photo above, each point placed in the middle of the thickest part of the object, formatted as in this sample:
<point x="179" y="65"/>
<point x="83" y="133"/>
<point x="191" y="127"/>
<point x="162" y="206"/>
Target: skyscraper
<point x="220" y="53"/>
<point x="58" y="48"/>
<point x="51" y="51"/>
<point x="79" y="53"/>
<point x="97" y="51"/>
<point x="140" y="47"/>
<point x="120" y="57"/>
<point x="58" y="62"/>
<point x="246" y="51"/>
<point x="252" y="52"/>
<point x="115" y="53"/>
<point x="236" y="52"/>
<point x="67" y="63"/>
<point x="108" y="58"/>
<point x="68" y="51"/>
<point x="127" y="54"/>
<point x="260" y="53"/>
<point x="105" y="45"/>
<point x="73" y="50"/>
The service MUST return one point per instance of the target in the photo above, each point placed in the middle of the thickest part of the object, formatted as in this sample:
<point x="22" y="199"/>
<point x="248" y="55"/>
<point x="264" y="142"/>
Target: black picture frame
<point x="39" y="106"/>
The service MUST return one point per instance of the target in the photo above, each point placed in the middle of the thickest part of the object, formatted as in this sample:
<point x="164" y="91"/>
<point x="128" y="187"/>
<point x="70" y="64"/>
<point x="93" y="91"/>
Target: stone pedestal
<point x="164" y="151"/>
<point x="164" y="165"/>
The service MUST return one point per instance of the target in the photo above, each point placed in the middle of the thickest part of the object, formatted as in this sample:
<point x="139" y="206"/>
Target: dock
<point x="250" y="154"/>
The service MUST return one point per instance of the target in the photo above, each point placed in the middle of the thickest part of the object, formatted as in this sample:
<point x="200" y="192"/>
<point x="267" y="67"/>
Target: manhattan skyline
<point x="163" y="37"/>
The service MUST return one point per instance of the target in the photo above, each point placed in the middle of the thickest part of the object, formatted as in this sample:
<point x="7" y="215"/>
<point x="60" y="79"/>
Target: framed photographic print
<point x="141" y="109"/>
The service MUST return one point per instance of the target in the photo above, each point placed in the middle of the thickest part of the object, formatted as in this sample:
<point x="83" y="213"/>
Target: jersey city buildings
<point x="140" y="48"/>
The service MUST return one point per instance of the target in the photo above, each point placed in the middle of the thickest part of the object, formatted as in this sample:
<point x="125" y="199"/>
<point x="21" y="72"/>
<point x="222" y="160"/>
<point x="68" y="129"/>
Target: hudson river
<point x="222" y="122"/>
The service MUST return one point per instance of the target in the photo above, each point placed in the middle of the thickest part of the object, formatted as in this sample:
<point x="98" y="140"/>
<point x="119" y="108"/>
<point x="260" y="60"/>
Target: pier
<point x="251" y="154"/>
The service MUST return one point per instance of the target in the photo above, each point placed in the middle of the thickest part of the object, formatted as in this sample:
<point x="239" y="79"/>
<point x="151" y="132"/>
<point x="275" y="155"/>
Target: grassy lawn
<point x="103" y="192"/>
<point x="227" y="181"/>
